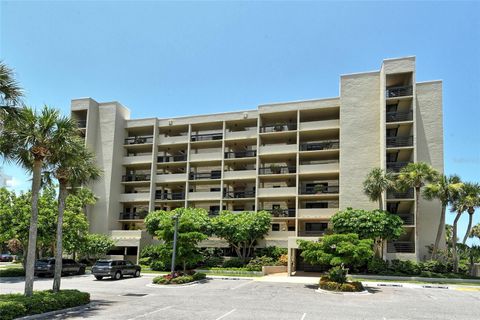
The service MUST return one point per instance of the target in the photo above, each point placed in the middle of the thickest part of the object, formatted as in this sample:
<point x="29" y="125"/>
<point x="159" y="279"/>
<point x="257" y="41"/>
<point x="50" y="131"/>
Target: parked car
<point x="46" y="267"/>
<point x="6" y="257"/>
<point x="115" y="269"/>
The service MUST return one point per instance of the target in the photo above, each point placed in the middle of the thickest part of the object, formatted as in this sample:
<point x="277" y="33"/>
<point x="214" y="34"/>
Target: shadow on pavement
<point x="87" y="312"/>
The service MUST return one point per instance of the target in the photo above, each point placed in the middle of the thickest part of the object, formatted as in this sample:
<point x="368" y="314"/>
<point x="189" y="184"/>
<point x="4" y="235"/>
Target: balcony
<point x="320" y="189"/>
<point x="204" y="195"/>
<point x="205" y="175"/>
<point x="277" y="192"/>
<point x="136" y="177"/>
<point x="139" y="140"/>
<point x="173" y="140"/>
<point x="396" y="166"/>
<point x="132" y="160"/>
<point x="135" y="197"/>
<point x="282" y="212"/>
<point x="278" y="127"/>
<point x="323" y="145"/>
<point x="172" y="177"/>
<point x="401" y="247"/>
<point x="399" y="142"/>
<point x="322" y="167"/>
<point x="278" y="148"/>
<point x="170" y="195"/>
<point x="399" y="116"/>
<point x="315" y="233"/>
<point x="210" y="156"/>
<point x="81" y="124"/>
<point x="206" y="137"/>
<point x="175" y="158"/>
<point x="317" y="213"/>
<point x="400" y="195"/>
<point x="239" y="194"/>
<point x="318" y="125"/>
<point x="408" y="218"/>
<point x="133" y="215"/>
<point x="240" y="154"/>
<point x="277" y="170"/>
<point x="247" y="134"/>
<point x="395" y="92"/>
<point x="239" y="174"/>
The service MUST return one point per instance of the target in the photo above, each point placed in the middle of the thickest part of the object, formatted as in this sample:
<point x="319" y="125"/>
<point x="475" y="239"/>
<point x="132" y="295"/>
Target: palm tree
<point x="415" y="175"/>
<point x="377" y="182"/>
<point x="471" y="201"/>
<point x="10" y="92"/>
<point x="444" y="189"/>
<point x="28" y="139"/>
<point x="73" y="165"/>
<point x="475" y="231"/>
<point x="459" y="206"/>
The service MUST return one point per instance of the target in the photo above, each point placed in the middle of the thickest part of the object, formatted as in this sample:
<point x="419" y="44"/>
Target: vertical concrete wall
<point x="429" y="133"/>
<point x="359" y="136"/>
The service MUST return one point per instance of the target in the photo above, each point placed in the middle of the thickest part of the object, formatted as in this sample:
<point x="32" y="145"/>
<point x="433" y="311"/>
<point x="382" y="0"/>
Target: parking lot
<point x="134" y="298"/>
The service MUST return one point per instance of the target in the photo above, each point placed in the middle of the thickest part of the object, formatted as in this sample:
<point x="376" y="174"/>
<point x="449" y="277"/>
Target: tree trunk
<point x="469" y="227"/>
<point x="32" y="233"/>
<point x="62" y="196"/>
<point x="441" y="229"/>
<point x="454" y="242"/>
<point x="417" y="197"/>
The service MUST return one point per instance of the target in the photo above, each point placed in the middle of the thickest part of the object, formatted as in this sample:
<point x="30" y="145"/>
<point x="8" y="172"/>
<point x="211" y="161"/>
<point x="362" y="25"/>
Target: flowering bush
<point x="178" y="278"/>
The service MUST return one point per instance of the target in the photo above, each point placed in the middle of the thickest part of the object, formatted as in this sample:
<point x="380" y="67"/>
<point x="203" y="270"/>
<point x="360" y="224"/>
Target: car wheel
<point x="98" y="277"/>
<point x="118" y="275"/>
<point x="137" y="274"/>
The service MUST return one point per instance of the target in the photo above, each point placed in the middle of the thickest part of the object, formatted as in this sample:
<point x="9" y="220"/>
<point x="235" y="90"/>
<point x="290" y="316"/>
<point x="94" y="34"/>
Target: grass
<point x="440" y="281"/>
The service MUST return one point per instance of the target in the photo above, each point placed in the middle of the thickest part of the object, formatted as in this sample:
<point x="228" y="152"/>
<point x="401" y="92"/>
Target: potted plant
<point x="275" y="168"/>
<point x="278" y="126"/>
<point x="320" y="188"/>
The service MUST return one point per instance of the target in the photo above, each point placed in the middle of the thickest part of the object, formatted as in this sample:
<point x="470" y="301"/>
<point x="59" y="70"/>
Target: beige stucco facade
<point x="302" y="161"/>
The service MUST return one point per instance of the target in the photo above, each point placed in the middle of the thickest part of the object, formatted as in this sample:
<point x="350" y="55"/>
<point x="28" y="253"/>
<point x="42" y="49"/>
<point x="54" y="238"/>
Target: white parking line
<point x="304" y="315"/>
<point x="149" y="313"/>
<point x="241" y="285"/>
<point x="226" y="314"/>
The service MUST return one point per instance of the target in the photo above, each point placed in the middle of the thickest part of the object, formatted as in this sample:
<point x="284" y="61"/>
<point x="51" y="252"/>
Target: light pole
<point x="175" y="218"/>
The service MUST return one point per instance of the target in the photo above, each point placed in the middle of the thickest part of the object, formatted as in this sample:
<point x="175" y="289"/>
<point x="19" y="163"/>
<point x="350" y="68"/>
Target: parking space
<point x="133" y="298"/>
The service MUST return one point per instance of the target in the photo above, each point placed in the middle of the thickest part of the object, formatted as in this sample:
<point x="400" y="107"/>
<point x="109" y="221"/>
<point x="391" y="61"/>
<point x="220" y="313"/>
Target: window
<point x="316" y="205"/>
<point x="291" y="228"/>
<point x="316" y="226"/>
<point x="275" y="226"/>
<point x="128" y="263"/>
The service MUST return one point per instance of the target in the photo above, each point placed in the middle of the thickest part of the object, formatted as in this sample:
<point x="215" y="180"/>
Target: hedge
<point x="17" y="305"/>
<point x="327" y="284"/>
<point x="168" y="279"/>
<point x="12" y="272"/>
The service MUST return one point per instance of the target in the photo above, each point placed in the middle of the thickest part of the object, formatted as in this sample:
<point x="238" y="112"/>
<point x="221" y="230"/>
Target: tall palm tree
<point x="10" y="92"/>
<point x="471" y="201"/>
<point x="475" y="232"/>
<point x="377" y="182"/>
<point x="73" y="165"/>
<point x="415" y="175"/>
<point x="444" y="189"/>
<point x="459" y="206"/>
<point x="28" y="139"/>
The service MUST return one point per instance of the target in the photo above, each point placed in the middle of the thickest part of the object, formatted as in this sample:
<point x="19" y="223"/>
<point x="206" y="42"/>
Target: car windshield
<point x="102" y="263"/>
<point x="45" y="261"/>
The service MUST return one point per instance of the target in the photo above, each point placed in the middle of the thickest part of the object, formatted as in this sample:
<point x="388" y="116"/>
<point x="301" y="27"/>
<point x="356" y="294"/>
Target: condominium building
<point x="302" y="161"/>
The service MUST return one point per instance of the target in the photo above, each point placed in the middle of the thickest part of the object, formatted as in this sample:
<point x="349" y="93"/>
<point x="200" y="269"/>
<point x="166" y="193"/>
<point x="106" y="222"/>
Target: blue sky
<point x="177" y="58"/>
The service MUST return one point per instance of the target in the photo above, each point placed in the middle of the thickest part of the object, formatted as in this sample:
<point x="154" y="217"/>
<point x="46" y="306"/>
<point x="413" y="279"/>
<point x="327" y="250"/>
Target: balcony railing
<point x="323" y="145"/>
<point x="139" y="140"/>
<point x="311" y="233"/>
<point x="133" y="215"/>
<point x="239" y="194"/>
<point x="170" y="195"/>
<point x="396" y="166"/>
<point x="206" y="137"/>
<point x="205" y="175"/>
<point x="399" y="116"/>
<point x="394" y="92"/>
<point x="393" y="142"/>
<point x="82" y="123"/>
<point x="176" y="158"/>
<point x="278" y="127"/>
<point x="282" y="212"/>
<point x="240" y="154"/>
<point x="400" y="195"/>
<point x="136" y="177"/>
<point x="320" y="190"/>
<point x="401" y="247"/>
<point x="408" y="218"/>
<point x="277" y="170"/>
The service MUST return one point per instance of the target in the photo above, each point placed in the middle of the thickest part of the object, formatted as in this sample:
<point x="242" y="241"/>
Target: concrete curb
<point x="422" y="279"/>
<point x="57" y="312"/>
<point x="183" y="285"/>
<point x="361" y="293"/>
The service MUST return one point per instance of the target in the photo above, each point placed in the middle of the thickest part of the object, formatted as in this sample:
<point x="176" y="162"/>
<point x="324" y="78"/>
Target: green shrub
<point x="212" y="261"/>
<point x="271" y="252"/>
<point x="257" y="263"/>
<point x="12" y="272"/>
<point x="407" y="267"/>
<point x="181" y="279"/>
<point x="338" y="274"/>
<point x="434" y="266"/>
<point x="11" y="310"/>
<point x="328" y="284"/>
<point x="199" y="276"/>
<point x="377" y="266"/>
<point x="158" y="266"/>
<point x="233" y="263"/>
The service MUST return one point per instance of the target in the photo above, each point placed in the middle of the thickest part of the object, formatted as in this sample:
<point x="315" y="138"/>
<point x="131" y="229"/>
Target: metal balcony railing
<point x="133" y="215"/>
<point x="304" y="233"/>
<point x="396" y="166"/>
<point x="322" y="145"/>
<point x="81" y="124"/>
<point x="205" y="175"/>
<point x="321" y="204"/>
<point x="239" y="194"/>
<point x="136" y="177"/>
<point x="400" y="195"/>
<point x="401" y="247"/>
<point x="175" y="158"/>
<point x="139" y="140"/>
<point x="282" y="212"/>
<point x="408" y="218"/>
<point x="399" y="116"/>
<point x="278" y="127"/>
<point x="240" y="154"/>
<point x="395" y="92"/>
<point x="170" y="195"/>
<point x="320" y="190"/>
<point x="277" y="170"/>
<point x="393" y="142"/>
<point x="206" y="137"/>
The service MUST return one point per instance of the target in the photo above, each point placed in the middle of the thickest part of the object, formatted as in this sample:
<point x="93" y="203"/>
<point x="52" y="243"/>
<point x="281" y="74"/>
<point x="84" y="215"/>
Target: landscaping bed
<point x="17" y="305"/>
<point x="231" y="272"/>
<point x="12" y="272"/>
<point x="327" y="284"/>
<point x="178" y="278"/>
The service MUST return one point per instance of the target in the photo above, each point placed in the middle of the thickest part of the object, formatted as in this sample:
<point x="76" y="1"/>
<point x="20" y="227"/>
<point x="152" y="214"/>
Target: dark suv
<point x="115" y="269"/>
<point x="46" y="267"/>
